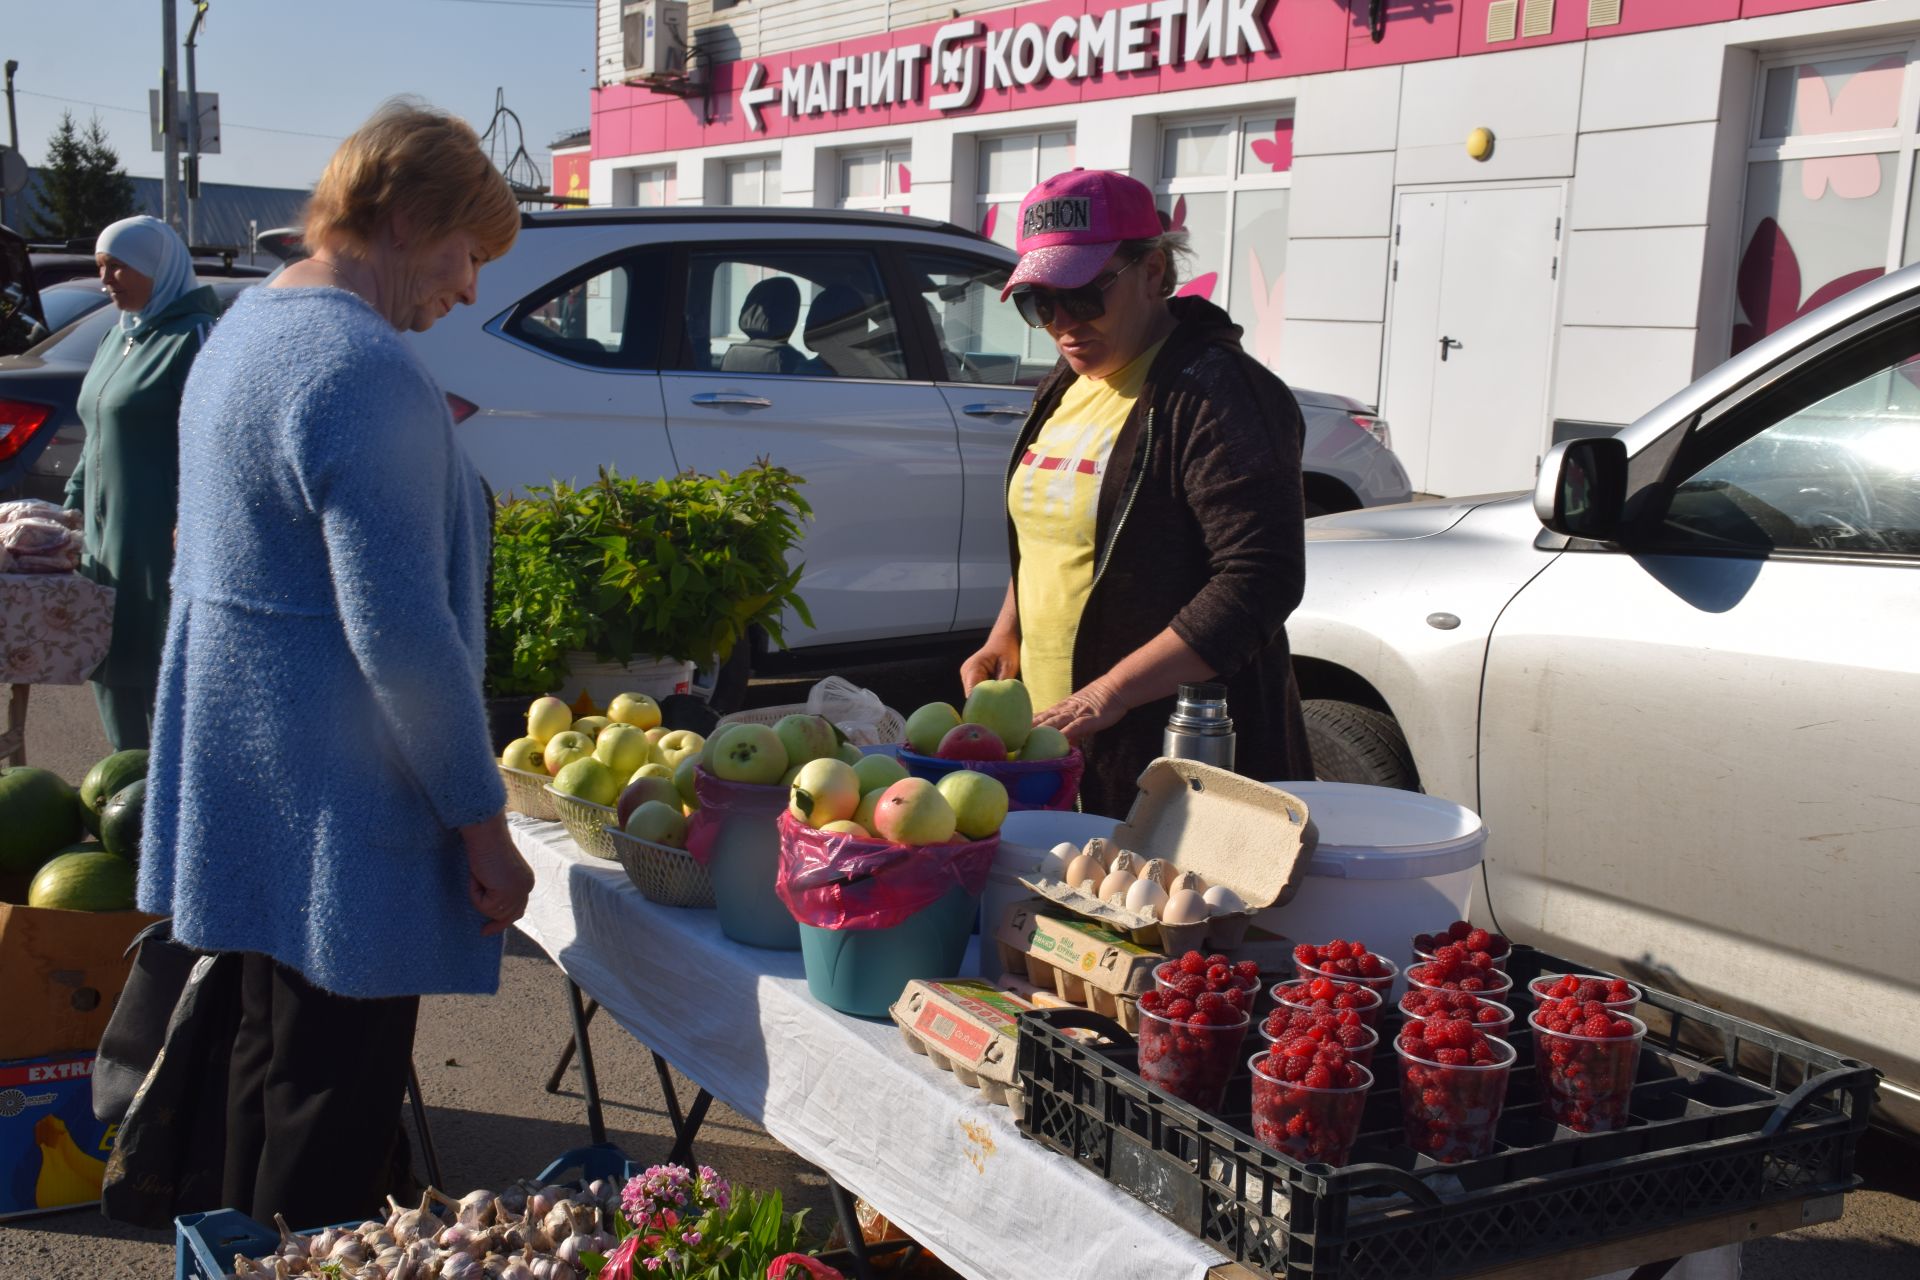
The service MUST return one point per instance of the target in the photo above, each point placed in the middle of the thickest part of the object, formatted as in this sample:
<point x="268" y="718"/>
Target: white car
<point x="868" y="353"/>
<point x="1680" y="683"/>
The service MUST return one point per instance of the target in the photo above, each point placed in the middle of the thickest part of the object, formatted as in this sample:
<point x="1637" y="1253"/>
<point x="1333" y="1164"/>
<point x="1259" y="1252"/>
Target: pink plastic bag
<point x="720" y="800"/>
<point x="836" y="881"/>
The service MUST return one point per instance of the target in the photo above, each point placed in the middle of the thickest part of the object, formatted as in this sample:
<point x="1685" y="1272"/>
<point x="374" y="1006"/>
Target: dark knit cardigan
<point x="1198" y="527"/>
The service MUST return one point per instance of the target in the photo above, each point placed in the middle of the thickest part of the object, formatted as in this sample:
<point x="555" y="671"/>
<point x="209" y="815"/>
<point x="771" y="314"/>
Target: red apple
<point x="971" y="742"/>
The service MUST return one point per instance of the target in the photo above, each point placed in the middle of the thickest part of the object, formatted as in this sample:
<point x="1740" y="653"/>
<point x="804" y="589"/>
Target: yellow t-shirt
<point x="1053" y="501"/>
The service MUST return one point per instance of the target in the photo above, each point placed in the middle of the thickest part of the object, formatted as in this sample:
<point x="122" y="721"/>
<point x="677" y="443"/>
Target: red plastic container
<point x="1314" y="1126"/>
<point x="1450" y="1113"/>
<point x="1587" y="1082"/>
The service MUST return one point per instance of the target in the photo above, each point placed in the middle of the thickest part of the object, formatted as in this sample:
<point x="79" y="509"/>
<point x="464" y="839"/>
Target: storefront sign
<point x="967" y="59"/>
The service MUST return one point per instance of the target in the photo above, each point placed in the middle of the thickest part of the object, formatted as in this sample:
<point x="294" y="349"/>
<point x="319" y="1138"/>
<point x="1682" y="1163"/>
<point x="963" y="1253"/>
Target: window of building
<point x="754" y="180"/>
<point x="797" y="312"/>
<point x="876" y="178"/>
<point x="1226" y="181"/>
<point x="1829" y="191"/>
<point x="652" y="187"/>
<point x="1009" y="168"/>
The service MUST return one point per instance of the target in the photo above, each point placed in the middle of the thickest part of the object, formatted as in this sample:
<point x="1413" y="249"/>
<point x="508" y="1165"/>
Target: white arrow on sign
<point x="756" y="93"/>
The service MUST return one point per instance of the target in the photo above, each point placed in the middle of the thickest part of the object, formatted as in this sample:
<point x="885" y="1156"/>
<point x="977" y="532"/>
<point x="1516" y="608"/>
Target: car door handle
<point x="994" y="411"/>
<point x="732" y="397"/>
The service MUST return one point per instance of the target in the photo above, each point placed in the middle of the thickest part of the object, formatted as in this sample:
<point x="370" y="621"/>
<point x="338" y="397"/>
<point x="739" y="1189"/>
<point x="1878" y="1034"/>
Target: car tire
<point x="1352" y="743"/>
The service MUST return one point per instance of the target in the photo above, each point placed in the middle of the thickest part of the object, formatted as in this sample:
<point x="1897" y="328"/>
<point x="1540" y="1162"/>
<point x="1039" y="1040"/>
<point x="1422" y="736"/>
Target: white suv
<point x="867" y="353"/>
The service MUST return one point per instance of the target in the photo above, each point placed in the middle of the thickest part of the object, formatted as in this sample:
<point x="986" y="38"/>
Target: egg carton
<point x="968" y="1027"/>
<point x="1080" y="962"/>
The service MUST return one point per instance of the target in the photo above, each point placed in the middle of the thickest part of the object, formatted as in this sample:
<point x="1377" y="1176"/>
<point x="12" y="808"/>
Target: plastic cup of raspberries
<point x="1190" y="1047"/>
<point x="1324" y="995"/>
<point x="1489" y="1016"/>
<point x="1454" y="968"/>
<point x="1453" y="1086"/>
<point x="1587" y="1059"/>
<point x="1494" y="946"/>
<point x="1345" y="961"/>
<point x="1193" y="975"/>
<point x="1308" y="1104"/>
<point x="1325" y="1027"/>
<point x="1616" y="994"/>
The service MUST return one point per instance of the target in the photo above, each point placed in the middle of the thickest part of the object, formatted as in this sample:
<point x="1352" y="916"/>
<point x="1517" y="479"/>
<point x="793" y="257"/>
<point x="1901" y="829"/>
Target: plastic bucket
<point x="1025" y="842"/>
<point x="863" y="971"/>
<point x="1030" y="784"/>
<point x="743" y="866"/>
<point x="1390" y="864"/>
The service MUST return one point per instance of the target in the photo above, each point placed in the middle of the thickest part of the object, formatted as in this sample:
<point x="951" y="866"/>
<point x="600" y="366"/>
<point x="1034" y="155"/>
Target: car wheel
<point x="1352" y="743"/>
<point x="1314" y="509"/>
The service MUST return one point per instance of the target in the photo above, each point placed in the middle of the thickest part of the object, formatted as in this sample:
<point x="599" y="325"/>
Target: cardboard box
<point x="62" y="972"/>
<point x="965" y="1026"/>
<point x="1082" y="962"/>
<point x="53" y="1152"/>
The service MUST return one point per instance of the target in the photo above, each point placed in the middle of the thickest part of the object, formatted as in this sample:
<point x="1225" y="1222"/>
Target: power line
<point x="224" y="124"/>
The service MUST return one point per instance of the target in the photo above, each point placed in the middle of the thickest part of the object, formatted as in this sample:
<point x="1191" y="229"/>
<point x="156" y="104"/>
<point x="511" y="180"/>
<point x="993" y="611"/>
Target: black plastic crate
<point x="1727" y="1116"/>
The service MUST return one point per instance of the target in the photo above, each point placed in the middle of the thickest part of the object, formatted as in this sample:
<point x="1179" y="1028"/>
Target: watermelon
<point x="84" y="881"/>
<point x="38" y="814"/>
<point x="121" y="819"/>
<point x="105" y="779"/>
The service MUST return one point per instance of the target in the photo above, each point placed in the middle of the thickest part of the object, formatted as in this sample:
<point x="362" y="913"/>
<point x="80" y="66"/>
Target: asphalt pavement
<point x="484" y="1061"/>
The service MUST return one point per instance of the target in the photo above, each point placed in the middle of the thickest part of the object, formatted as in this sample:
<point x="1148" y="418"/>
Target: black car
<point x="22" y="323"/>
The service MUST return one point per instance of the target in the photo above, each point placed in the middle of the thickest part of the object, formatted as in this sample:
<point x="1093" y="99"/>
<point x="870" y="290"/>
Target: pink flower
<point x="620" y="1262"/>
<point x="782" y="1268"/>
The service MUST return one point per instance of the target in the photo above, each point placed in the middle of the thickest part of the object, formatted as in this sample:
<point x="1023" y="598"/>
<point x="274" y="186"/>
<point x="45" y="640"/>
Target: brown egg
<point x="1184" y="906"/>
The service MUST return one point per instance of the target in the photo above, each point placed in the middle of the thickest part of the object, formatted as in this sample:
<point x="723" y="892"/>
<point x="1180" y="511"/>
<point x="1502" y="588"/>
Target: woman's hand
<point x="498" y="878"/>
<point x="998" y="659"/>
<point x="1081" y="715"/>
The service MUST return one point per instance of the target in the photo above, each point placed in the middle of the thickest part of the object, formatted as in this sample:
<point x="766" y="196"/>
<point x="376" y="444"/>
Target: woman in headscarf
<point x="128" y="481"/>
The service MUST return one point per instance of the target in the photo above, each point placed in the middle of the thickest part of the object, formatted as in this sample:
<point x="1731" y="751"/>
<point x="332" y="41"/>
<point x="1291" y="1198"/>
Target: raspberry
<point x="1423" y="942"/>
<point x="1498" y="946"/>
<point x="1318" y="1078"/>
<point x="1371" y="966"/>
<point x="1218" y="977"/>
<point x="1450" y="957"/>
<point x="1621" y="1027"/>
<point x="1307" y="954"/>
<point x="1217" y="958"/>
<point x="1472" y="984"/>
<point x="1193" y="962"/>
<point x="1600" y="1026"/>
<point x="1593" y="1009"/>
<point x="1338" y="949"/>
<point x="1593" y="989"/>
<point x="1202" y="1018"/>
<point x="1275" y="1024"/>
<point x="1189" y="985"/>
<point x="1489" y="1014"/>
<point x="1323" y="988"/>
<point x="1247" y="971"/>
<point x="1481" y="959"/>
<point x="1179" y="1010"/>
<point x="1477" y="940"/>
<point x="1618" y="990"/>
<point x="1453" y="1057"/>
<point x="1152" y="1000"/>
<point x="1483" y="1053"/>
<point x="1459" y="929"/>
<point x="1238" y="998"/>
<point x="1353" y="1035"/>
<point x="1211" y="1002"/>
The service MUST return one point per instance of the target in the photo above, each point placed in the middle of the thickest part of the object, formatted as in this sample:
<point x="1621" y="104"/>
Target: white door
<point x="1470" y="343"/>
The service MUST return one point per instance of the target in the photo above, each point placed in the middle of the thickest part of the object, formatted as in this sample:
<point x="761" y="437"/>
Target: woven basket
<point x="586" y="822"/>
<point x="527" y="793"/>
<point x="891" y="729"/>
<point x="661" y="873"/>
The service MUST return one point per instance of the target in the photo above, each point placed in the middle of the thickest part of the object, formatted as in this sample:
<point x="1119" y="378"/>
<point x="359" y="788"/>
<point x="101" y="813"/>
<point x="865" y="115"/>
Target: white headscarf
<point x="154" y="249"/>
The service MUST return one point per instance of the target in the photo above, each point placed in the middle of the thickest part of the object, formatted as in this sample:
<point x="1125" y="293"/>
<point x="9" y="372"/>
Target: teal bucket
<point x="863" y="971"/>
<point x="744" y="864"/>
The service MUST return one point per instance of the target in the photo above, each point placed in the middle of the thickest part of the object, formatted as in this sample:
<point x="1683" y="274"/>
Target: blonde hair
<point x="413" y="160"/>
<point x="1174" y="243"/>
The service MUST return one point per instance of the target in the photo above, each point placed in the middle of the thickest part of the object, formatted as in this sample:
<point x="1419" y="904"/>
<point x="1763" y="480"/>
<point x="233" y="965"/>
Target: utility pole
<point x="170" y="141"/>
<point x="193" y="122"/>
<point x="13" y="137"/>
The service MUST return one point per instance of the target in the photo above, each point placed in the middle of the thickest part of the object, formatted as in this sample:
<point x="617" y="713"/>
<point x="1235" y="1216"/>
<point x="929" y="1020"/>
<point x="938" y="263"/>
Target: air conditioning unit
<point x="653" y="38"/>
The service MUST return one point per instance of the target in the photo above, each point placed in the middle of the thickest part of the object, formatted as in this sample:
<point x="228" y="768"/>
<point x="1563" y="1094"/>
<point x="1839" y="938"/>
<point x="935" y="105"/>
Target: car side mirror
<point x="1582" y="488"/>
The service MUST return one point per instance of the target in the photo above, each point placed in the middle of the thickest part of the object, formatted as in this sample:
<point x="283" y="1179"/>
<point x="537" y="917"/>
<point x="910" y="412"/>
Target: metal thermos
<point x="1200" y="728"/>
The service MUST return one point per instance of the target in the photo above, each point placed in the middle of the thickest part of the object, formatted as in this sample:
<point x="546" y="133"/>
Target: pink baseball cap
<point x="1071" y="224"/>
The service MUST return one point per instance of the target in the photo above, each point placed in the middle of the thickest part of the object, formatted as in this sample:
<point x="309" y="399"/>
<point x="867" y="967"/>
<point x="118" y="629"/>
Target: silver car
<point x="1681" y="683"/>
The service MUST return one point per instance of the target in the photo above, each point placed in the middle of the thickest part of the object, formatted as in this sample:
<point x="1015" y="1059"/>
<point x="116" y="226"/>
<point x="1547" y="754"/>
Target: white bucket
<point x="1026" y="839"/>
<point x="1390" y="864"/>
<point x="605" y="681"/>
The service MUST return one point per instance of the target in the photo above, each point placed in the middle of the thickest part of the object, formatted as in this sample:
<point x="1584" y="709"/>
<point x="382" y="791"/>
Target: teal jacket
<point x="128" y="481"/>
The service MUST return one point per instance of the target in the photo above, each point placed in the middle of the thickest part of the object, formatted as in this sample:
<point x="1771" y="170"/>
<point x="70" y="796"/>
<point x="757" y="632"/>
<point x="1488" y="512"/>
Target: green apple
<point x="683" y="780"/>
<point x="851" y="754"/>
<point x="869" y="801"/>
<point x="588" y="779"/>
<point x="749" y="753"/>
<point x="651" y="770"/>
<point x="913" y="812"/>
<point x="979" y="802"/>
<point x="546" y="717"/>
<point x="564" y="748"/>
<point x="929" y="724"/>
<point x="641" y="790"/>
<point x="877" y="773"/>
<point x="786" y="779"/>
<point x="1003" y="706"/>
<point x="806" y="738"/>
<point x="591" y="725"/>
<point x="825" y="790"/>
<point x="1045" y="743"/>
<point x="659" y="822"/>
<point x="524" y="754"/>
<point x="676" y="745"/>
<point x="622" y="748"/>
<point x="636" y="709"/>
<point x="847" y="827"/>
<point x="658" y="732"/>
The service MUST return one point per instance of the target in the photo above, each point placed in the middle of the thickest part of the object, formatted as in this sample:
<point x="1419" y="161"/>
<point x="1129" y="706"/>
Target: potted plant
<point x="677" y="1222"/>
<point x="625" y="569"/>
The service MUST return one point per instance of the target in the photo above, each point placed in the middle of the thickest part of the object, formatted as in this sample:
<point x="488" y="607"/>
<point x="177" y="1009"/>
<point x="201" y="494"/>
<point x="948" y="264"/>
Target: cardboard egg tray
<point x="968" y="1027"/>
<point x="1078" y="961"/>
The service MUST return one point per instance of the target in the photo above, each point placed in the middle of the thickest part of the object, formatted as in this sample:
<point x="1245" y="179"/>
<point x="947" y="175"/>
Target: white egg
<point x="1147" y="897"/>
<point x="1158" y="869"/>
<point x="1188" y="880"/>
<point x="1053" y="863"/>
<point x="1184" y="907"/>
<point x="1118" y="881"/>
<point x="1223" y="900"/>
<point x="1085" y="871"/>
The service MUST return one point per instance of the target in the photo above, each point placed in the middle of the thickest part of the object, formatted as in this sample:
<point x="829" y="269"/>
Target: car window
<point x="77" y="343"/>
<point x="63" y="304"/>
<point x="606" y="315"/>
<point x="982" y="339"/>
<point x="799" y="312"/>
<point x="1838" y="469"/>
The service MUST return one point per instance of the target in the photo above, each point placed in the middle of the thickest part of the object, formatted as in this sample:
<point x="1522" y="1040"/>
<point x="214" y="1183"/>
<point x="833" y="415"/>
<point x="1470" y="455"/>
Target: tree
<point x="82" y="186"/>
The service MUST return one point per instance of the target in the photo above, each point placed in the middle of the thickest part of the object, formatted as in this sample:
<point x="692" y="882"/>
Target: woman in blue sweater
<point x="322" y="791"/>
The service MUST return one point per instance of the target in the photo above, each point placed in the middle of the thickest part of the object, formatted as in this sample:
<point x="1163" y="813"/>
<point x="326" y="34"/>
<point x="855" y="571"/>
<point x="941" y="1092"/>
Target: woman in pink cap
<point x="1153" y="501"/>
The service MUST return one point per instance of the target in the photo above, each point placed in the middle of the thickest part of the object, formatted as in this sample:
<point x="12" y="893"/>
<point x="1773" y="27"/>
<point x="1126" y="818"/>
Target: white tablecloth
<point x="846" y="1094"/>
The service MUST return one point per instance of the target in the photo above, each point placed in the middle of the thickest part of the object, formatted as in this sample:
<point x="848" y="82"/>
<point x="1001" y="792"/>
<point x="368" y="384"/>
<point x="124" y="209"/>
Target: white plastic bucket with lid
<point x="1026" y="842"/>
<point x="1390" y="864"/>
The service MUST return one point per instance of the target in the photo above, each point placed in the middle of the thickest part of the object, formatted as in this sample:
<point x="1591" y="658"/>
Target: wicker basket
<point x="891" y="729"/>
<point x="527" y="793"/>
<point x="662" y="873"/>
<point x="586" y="822"/>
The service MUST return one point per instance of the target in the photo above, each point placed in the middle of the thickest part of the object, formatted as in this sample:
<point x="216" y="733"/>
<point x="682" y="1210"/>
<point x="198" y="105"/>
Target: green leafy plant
<point x="678" y="568"/>
<point x="691" y="1225"/>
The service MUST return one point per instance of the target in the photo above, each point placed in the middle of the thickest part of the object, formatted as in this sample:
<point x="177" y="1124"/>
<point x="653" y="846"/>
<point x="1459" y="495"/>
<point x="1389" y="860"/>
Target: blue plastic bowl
<point x="863" y="971"/>
<point x="1030" y="784"/>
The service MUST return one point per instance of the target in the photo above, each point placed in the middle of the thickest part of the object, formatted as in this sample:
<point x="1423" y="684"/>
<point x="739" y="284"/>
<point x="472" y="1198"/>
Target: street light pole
<point x="193" y="123"/>
<point x="13" y="138"/>
<point x="169" y="139"/>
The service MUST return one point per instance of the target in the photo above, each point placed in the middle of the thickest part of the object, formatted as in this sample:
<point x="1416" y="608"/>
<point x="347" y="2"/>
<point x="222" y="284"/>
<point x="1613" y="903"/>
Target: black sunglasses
<point x="1038" y="304"/>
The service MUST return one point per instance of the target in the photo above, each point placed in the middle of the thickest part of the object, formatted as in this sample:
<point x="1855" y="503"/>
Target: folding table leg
<point x="566" y="1053"/>
<point x="850" y="1228"/>
<point x="685" y="1127"/>
<point x="428" y="1154"/>
<point x="596" y="1123"/>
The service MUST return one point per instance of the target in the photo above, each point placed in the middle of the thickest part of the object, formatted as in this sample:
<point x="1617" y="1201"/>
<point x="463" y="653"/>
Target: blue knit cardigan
<point x="319" y="732"/>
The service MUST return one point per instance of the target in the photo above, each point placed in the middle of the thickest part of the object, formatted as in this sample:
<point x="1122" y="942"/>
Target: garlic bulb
<point x="291" y="1245"/>
<point x="1118" y="881"/>
<point x="514" y="1200"/>
<point x="1146" y="897"/>
<point x="462" y="1266"/>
